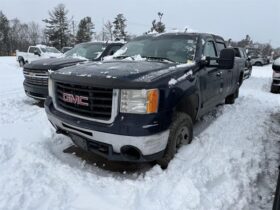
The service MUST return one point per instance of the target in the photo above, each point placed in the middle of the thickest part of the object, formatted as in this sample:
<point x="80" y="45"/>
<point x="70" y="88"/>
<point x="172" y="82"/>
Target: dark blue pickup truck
<point x="141" y="106"/>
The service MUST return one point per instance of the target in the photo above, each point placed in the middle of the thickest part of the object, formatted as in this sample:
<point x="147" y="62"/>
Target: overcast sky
<point x="229" y="18"/>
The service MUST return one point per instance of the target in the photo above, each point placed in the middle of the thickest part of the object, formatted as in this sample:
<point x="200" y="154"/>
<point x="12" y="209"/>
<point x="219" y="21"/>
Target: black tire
<point x="21" y="62"/>
<point x="231" y="98"/>
<point x="258" y="64"/>
<point x="181" y="131"/>
<point x="274" y="89"/>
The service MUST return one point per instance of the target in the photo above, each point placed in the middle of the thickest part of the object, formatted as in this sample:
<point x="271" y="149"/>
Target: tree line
<point x="61" y="31"/>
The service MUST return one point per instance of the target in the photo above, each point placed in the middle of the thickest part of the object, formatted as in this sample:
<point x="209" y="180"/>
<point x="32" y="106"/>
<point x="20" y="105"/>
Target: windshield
<point x="50" y="50"/>
<point x="177" y="48"/>
<point x="87" y="50"/>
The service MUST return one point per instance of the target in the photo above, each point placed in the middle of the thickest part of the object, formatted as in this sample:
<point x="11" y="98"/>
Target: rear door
<point x="211" y="79"/>
<point x="227" y="74"/>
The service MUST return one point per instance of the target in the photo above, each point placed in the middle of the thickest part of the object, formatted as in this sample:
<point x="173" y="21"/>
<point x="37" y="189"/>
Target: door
<point x="31" y="55"/>
<point x="211" y="79"/>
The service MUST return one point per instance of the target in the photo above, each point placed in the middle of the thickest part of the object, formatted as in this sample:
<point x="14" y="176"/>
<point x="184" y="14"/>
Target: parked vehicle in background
<point x="241" y="53"/>
<point x="36" y="73"/>
<point x="65" y="49"/>
<point x="37" y="52"/>
<point x="258" y="60"/>
<point x="141" y="106"/>
<point x="275" y="86"/>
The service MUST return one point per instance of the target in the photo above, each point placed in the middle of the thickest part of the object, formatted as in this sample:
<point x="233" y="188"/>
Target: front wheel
<point x="231" y="98"/>
<point x="181" y="132"/>
<point x="21" y="63"/>
<point x="274" y="89"/>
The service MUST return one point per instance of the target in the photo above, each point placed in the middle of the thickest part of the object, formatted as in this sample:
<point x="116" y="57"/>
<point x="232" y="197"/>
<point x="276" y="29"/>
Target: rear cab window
<point x="220" y="47"/>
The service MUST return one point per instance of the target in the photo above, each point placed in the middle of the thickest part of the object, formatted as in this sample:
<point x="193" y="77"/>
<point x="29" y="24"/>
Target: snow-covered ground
<point x="231" y="164"/>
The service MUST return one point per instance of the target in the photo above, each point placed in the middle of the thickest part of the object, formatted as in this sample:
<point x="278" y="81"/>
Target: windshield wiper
<point x="124" y="56"/>
<point x="159" y="58"/>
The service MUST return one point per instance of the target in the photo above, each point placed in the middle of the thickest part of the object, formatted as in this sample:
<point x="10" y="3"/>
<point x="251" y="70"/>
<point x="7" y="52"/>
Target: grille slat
<point x="99" y="100"/>
<point x="34" y="76"/>
<point x="36" y="81"/>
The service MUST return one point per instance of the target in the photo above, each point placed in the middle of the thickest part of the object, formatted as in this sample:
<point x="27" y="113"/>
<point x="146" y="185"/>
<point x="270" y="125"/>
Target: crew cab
<point x="241" y="53"/>
<point x="36" y="73"/>
<point x="275" y="86"/>
<point x="35" y="53"/>
<point x="142" y="105"/>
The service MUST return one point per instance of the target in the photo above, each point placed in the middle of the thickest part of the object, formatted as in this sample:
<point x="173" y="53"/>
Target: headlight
<point x="50" y="86"/>
<point x="139" y="101"/>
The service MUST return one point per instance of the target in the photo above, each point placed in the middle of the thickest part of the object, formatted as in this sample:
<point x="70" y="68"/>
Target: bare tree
<point x="18" y="35"/>
<point x="108" y="30"/>
<point x="34" y="33"/>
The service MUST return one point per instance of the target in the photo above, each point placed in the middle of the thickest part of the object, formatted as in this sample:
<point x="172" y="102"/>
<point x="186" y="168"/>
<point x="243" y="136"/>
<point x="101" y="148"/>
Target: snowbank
<point x="231" y="163"/>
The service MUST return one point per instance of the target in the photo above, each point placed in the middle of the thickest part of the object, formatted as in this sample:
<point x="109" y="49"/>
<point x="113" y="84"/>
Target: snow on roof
<point x="108" y="42"/>
<point x="41" y="46"/>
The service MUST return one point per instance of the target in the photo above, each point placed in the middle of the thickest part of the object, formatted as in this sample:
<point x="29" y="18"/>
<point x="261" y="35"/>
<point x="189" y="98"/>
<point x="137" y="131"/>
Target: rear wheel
<point x="181" y="132"/>
<point x="258" y="63"/>
<point x="231" y="98"/>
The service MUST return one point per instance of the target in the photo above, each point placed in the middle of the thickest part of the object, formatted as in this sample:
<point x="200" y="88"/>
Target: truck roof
<point x="217" y="38"/>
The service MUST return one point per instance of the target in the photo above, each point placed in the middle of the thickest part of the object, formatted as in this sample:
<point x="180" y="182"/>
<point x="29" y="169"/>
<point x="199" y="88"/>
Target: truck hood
<point x="53" y="63"/>
<point x="119" y="73"/>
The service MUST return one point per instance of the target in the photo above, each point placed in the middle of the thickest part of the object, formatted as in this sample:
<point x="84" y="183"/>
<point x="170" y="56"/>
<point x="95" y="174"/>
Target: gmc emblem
<point x="74" y="99"/>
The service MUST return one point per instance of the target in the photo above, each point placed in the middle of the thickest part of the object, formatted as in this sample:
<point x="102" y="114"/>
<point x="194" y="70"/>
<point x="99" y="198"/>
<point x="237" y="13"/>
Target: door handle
<point x="219" y="74"/>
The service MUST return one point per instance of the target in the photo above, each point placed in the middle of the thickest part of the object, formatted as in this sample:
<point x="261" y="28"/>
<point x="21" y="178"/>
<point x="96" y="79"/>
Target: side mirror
<point x="226" y="60"/>
<point x="276" y="65"/>
<point x="112" y="52"/>
<point x="37" y="53"/>
<point x="204" y="62"/>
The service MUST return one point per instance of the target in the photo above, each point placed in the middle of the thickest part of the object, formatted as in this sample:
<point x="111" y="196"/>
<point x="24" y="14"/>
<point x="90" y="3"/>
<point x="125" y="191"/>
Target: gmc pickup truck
<point x="36" y="53"/>
<point x="141" y="106"/>
<point x="36" y="73"/>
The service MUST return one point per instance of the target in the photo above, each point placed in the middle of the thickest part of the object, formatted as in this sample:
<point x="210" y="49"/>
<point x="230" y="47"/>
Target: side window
<point x="32" y="49"/>
<point x="220" y="46"/>
<point x="237" y="53"/>
<point x="244" y="54"/>
<point x="37" y="49"/>
<point x="113" y="49"/>
<point x="209" y="49"/>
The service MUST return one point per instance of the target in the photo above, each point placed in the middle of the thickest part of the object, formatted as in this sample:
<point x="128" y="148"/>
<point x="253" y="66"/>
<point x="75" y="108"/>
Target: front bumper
<point x="109" y="145"/>
<point x="276" y="81"/>
<point x="35" y="91"/>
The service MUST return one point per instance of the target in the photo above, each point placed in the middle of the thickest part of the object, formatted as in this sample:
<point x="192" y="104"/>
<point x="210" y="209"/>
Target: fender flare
<point x="189" y="104"/>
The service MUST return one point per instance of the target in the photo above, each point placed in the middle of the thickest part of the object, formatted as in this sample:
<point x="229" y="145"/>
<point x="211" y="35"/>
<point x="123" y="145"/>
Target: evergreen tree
<point x="158" y="26"/>
<point x="119" y="27"/>
<point x="57" y="29"/>
<point x="4" y="35"/>
<point x="85" y="30"/>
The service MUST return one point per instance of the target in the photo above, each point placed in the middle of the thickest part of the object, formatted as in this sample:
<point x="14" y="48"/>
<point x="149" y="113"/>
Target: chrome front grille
<point x="99" y="100"/>
<point x="36" y="76"/>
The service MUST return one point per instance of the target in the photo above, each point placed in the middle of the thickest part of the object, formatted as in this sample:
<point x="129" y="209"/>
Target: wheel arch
<point x="189" y="104"/>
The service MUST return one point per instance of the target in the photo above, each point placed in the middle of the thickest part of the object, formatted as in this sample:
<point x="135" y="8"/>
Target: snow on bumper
<point x="147" y="145"/>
